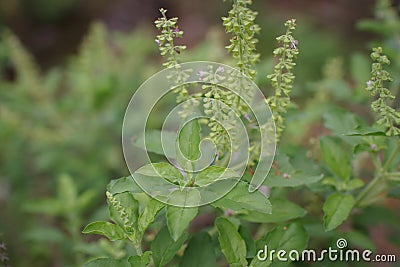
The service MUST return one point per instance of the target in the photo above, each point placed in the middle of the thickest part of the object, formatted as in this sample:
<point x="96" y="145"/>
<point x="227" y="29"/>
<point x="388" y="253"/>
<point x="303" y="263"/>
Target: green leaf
<point x="140" y="261"/>
<point x="129" y="204"/>
<point x="340" y="185"/>
<point x="125" y="184"/>
<point x="333" y="181"/>
<point x="340" y="121"/>
<point x="106" y="262"/>
<point x="249" y="241"/>
<point x="365" y="131"/>
<point x="288" y="176"/>
<point x="143" y="200"/>
<point x="164" y="247"/>
<point x="162" y="170"/>
<point x="148" y="214"/>
<point x="159" y="179"/>
<point x="239" y="199"/>
<point x="188" y="144"/>
<point x="199" y="252"/>
<point x="363" y="147"/>
<point x="337" y="208"/>
<point x="282" y="210"/>
<point x="214" y="173"/>
<point x="288" y="237"/>
<point x="232" y="244"/>
<point x="153" y="141"/>
<point x="189" y="139"/>
<point x="107" y="229"/>
<point x="294" y="180"/>
<point x="336" y="157"/>
<point x="354" y="184"/>
<point x="179" y="218"/>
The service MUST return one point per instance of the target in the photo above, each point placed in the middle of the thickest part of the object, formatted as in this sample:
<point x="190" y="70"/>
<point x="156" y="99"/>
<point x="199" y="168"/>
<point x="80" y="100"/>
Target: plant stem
<point x="393" y="174"/>
<point x="137" y="243"/>
<point x="394" y="178"/>
<point x="377" y="162"/>
<point x="391" y="157"/>
<point x="138" y="248"/>
<point x="367" y="189"/>
<point x="382" y="173"/>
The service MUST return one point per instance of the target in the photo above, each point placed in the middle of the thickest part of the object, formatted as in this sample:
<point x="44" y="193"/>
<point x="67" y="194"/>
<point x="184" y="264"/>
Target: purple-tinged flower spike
<point x="176" y="30"/>
<point x="283" y="77"/>
<point x="388" y="118"/>
<point x="247" y="117"/>
<point x="294" y="44"/>
<point x="158" y="42"/>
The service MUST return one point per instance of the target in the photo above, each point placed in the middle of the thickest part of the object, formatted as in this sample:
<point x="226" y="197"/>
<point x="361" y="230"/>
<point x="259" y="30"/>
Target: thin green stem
<point x="381" y="174"/>
<point x="391" y="157"/>
<point x="377" y="161"/>
<point x="368" y="189"/>
<point x="138" y="248"/>
<point x="393" y="174"/>
<point x="394" y="178"/>
<point x="279" y="79"/>
<point x="137" y="244"/>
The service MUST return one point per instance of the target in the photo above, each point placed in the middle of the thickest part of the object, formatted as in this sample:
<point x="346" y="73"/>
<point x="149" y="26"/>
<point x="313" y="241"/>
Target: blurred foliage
<point x="64" y="122"/>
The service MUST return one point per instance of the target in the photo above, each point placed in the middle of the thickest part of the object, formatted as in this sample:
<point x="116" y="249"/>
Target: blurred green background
<point x="68" y="69"/>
